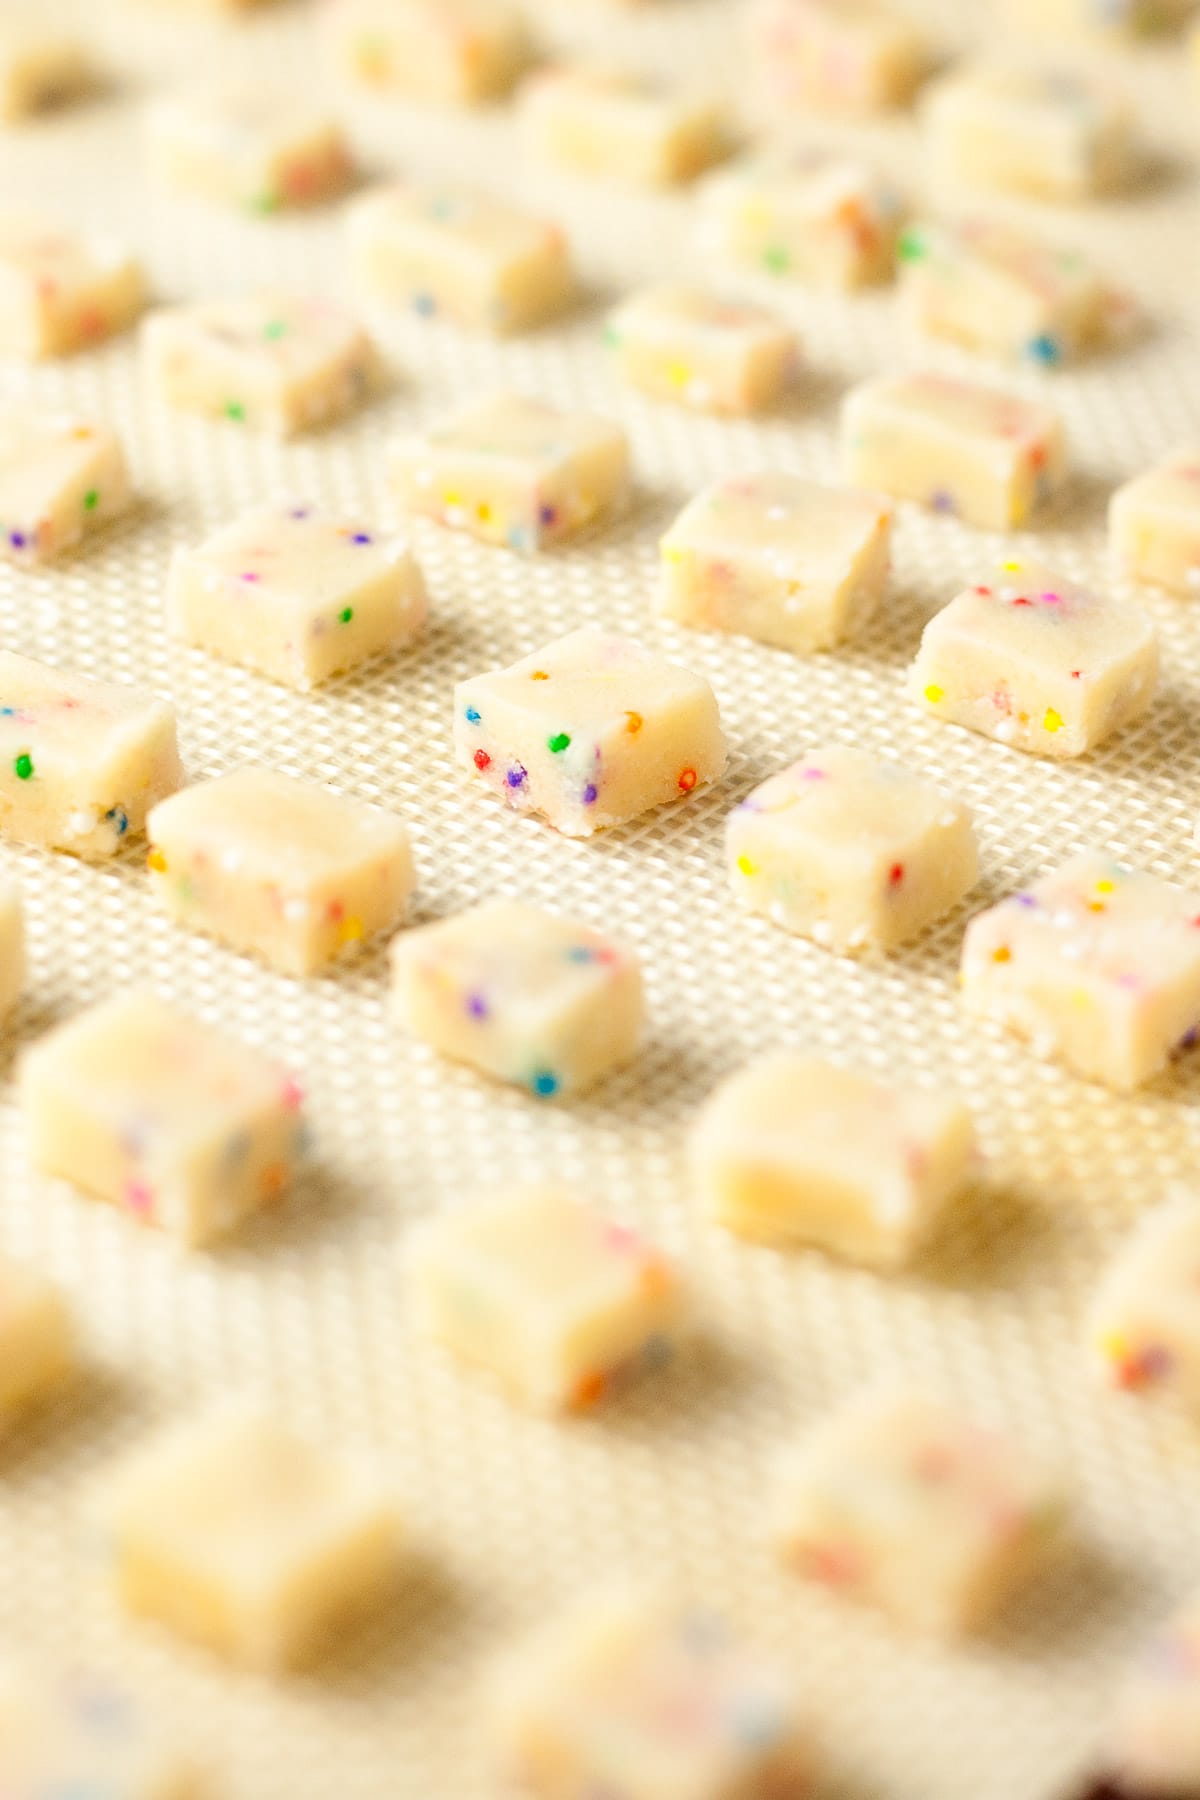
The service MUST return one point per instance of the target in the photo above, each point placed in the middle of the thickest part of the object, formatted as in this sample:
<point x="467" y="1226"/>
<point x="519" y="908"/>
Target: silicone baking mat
<point x="514" y="1515"/>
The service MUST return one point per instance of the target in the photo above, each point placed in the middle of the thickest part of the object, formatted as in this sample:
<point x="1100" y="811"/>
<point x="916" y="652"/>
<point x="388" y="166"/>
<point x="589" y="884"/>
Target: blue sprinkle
<point x="425" y="304"/>
<point x="545" y="1084"/>
<point x="942" y="501"/>
<point x="8" y="712"/>
<point x="472" y="716"/>
<point x="589" y="793"/>
<point x="1045" y="349"/>
<point x="580" y="953"/>
<point x="120" y="819"/>
<point x="516" y="776"/>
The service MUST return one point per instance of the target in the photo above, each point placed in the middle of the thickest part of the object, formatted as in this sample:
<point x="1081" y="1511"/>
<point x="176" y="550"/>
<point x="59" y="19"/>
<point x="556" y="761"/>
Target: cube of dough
<point x="1154" y="524"/>
<point x="82" y="1733"/>
<point x="181" y="1125"/>
<point x="522" y="994"/>
<point x="647" y="1698"/>
<point x="39" y="68"/>
<point x="455" y="52"/>
<point x="777" y="558"/>
<point x="1153" y="1734"/>
<point x="591" y="731"/>
<point x="902" y="1502"/>
<point x="452" y="252"/>
<point x="956" y="446"/>
<point x="249" y="144"/>
<point x="60" y="292"/>
<point x="81" y="761"/>
<point x="1036" y="662"/>
<point x="297" y="593"/>
<point x="514" y="471"/>
<point x="277" y="362"/>
<point x="838" y="56"/>
<point x="1144" y="1325"/>
<point x="561" y="1304"/>
<point x="1098" y="965"/>
<point x="37" y="1354"/>
<point x="236" y="1532"/>
<point x="854" y="853"/>
<point x="628" y="128"/>
<point x="715" y="355"/>
<point x="803" y="214"/>
<point x="1055" y="133"/>
<point x="996" y="288"/>
<point x="61" y="477"/>
<point x="795" y="1151"/>
<point x="12" y="949"/>
<point x="281" y="868"/>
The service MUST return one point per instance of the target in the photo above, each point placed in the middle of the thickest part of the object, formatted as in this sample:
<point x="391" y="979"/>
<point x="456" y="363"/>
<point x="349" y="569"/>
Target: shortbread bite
<point x="522" y="994"/>
<point x="988" y="456"/>
<point x="60" y="292"/>
<point x="854" y="853"/>
<point x="61" y="477"/>
<point x="277" y="362"/>
<point x="648" y="1698"/>
<point x="559" y="1303"/>
<point x="1038" y="663"/>
<point x="141" y="1105"/>
<point x="712" y="354"/>
<point x="899" y="1501"/>
<point x="626" y="127"/>
<point x="805" y="215"/>
<point x="298" y="593"/>
<point x="514" y="471"/>
<point x="12" y="949"/>
<point x="449" y="252"/>
<point x="37" y="1354"/>
<point x="81" y="761"/>
<point x="793" y="1150"/>
<point x="589" y="732"/>
<point x="81" y="1732"/>
<point x="249" y="144"/>
<point x="1095" y="964"/>
<point x="1152" y="1749"/>
<point x="996" y="288"/>
<point x="455" y="52"/>
<point x="778" y="558"/>
<point x="241" y="1535"/>
<point x="281" y="868"/>
<point x="1143" y="1329"/>
<point x="1054" y="133"/>
<point x="1154" y="524"/>
<point x="837" y="56"/>
<point x="39" y="68"/>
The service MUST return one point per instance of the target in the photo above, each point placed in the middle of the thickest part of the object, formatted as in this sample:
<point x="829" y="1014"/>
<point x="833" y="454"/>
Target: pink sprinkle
<point x="139" y="1198"/>
<point x="620" y="1237"/>
<point x="250" y="575"/>
<point x="293" y="1094"/>
<point x="814" y="774"/>
<point x="1051" y="599"/>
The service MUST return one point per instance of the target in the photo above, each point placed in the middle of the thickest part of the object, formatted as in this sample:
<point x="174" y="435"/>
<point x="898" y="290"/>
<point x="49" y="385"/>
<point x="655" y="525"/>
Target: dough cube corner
<point x="37" y="1346"/>
<point x="1143" y="1329"/>
<point x="170" y="1119"/>
<point x="80" y="1730"/>
<point x="523" y="994"/>
<point x="1154" y="524"/>
<point x="560" y="1304"/>
<point x="900" y="1501"/>
<point x="12" y="949"/>
<point x="805" y="215"/>
<point x="1152" y="1744"/>
<point x="250" y="145"/>
<point x="626" y="127"/>
<point x="847" y="57"/>
<point x="589" y="732"/>
<point x="60" y="292"/>
<point x="61" y="477"/>
<point x="40" y="67"/>
<point x="449" y="52"/>
<point x="792" y="1150"/>
<point x="712" y="354"/>
<point x="1095" y="964"/>
<point x="1054" y="133"/>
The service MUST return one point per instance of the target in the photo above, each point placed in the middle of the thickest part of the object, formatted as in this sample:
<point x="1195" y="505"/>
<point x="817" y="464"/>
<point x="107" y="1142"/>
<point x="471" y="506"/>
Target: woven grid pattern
<point x="514" y="1514"/>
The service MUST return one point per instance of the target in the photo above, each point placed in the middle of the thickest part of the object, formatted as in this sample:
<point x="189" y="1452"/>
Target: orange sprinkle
<point x="1002" y="953"/>
<point x="157" y="861"/>
<point x="589" y="1389"/>
<point x="655" y="1278"/>
<point x="274" y="1179"/>
<point x="633" y="723"/>
<point x="539" y="675"/>
<point x="687" y="780"/>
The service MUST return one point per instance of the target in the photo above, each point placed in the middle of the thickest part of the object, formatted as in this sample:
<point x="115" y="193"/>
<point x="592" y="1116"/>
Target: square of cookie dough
<point x="281" y="363"/>
<point x="855" y="853"/>
<point x="249" y="144"/>
<point x="804" y="215"/>
<point x="1143" y="1328"/>
<point x="987" y="456"/>
<point x="522" y="994"/>
<point x="779" y="558"/>
<point x="562" y="1305"/>
<point x="236" y="1532"/>
<point x="514" y="471"/>
<point x="40" y="67"/>
<point x="445" y="251"/>
<point x="283" y="869"/>
<point x="452" y="52"/>
<point x="1152" y="1739"/>
<point x="999" y="289"/>
<point x="1154" y="524"/>
<point x="37" y="1352"/>
<point x="297" y="593"/>
<point x="1095" y="964"/>
<point x="589" y="732"/>
<point x="835" y="56"/>
<point x="645" y="1696"/>
<point x="1036" y="662"/>
<point x="703" y="351"/>
<point x="61" y="477"/>
<point x="77" y="1731"/>
<point x="1054" y="133"/>
<point x="900" y="1501"/>
<point x="61" y="292"/>
<point x="81" y="761"/>
<point x="792" y="1150"/>
<point x="628" y="128"/>
<point x="12" y="948"/>
<point x="162" y="1115"/>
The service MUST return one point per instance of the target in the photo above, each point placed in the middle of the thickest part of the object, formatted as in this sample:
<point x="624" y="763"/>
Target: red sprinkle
<point x="896" y="874"/>
<point x="687" y="780"/>
<point x="482" y="759"/>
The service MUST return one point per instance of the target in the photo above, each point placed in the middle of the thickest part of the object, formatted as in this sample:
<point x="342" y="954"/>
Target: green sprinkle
<point x="612" y="336"/>
<point x="236" y="411"/>
<point x="911" y="246"/>
<point x="275" y="329"/>
<point x="91" y="500"/>
<point x="265" y="203"/>
<point x="558" y="742"/>
<point x="346" y="614"/>
<point x="777" y="259"/>
<point x="23" y="766"/>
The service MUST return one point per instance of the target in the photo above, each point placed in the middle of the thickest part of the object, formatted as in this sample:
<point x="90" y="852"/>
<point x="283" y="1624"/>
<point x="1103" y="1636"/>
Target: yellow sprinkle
<point x="1011" y="567"/>
<point x="933" y="694"/>
<point x="1114" y="1346"/>
<point x="451" y="499"/>
<point x="483" y="512"/>
<point x="1053" y="720"/>
<point x="672" y="555"/>
<point x="746" y="866"/>
<point x="1105" y="886"/>
<point x="678" y="374"/>
<point x="352" y="930"/>
<point x="157" y="861"/>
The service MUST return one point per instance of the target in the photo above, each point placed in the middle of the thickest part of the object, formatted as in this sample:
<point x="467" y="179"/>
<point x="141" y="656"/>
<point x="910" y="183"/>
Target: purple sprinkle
<point x="1190" y="1039"/>
<point x="17" y="539"/>
<point x="589" y="793"/>
<point x="548" y="514"/>
<point x="1024" y="899"/>
<point x="300" y="512"/>
<point x="361" y="537"/>
<point x="942" y="501"/>
<point x="516" y="776"/>
<point x="477" y="1006"/>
